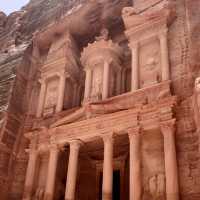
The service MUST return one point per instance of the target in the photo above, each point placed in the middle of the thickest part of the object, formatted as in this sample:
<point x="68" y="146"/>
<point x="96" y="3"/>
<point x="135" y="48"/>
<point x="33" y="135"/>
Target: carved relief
<point x="51" y="96"/>
<point x="150" y="71"/>
<point x="97" y="81"/>
<point x="153" y="167"/>
<point x="156" y="187"/>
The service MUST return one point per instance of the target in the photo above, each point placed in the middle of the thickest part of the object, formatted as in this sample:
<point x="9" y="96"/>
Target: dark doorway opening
<point x="116" y="185"/>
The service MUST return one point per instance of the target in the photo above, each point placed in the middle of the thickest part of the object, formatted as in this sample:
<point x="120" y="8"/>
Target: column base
<point x="107" y="196"/>
<point x="48" y="197"/>
<point x="172" y="196"/>
<point x="27" y="193"/>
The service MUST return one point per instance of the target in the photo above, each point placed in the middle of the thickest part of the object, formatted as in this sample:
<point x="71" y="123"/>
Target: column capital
<point x="107" y="137"/>
<point x="163" y="33"/>
<point x="134" y="131"/>
<point x="134" y="45"/>
<point x="53" y="148"/>
<point x="75" y="144"/>
<point x="109" y="61"/>
<point x="168" y="126"/>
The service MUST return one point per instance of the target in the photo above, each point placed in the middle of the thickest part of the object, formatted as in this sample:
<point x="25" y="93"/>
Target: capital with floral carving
<point x="168" y="127"/>
<point x="134" y="131"/>
<point x="108" y="138"/>
<point x="75" y="144"/>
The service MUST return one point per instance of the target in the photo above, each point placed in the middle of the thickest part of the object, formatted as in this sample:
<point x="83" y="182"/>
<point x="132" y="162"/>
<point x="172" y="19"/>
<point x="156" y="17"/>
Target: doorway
<point x="116" y="185"/>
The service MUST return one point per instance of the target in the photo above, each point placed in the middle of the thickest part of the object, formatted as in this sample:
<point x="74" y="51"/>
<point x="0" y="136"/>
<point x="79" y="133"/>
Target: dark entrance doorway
<point x="116" y="185"/>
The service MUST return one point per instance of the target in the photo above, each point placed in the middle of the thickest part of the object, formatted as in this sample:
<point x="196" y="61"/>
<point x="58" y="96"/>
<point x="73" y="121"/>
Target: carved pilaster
<point x="41" y="98"/>
<point x="106" y="71"/>
<point x="164" y="55"/>
<point x="88" y="83"/>
<point x="61" y="91"/>
<point x="135" y="67"/>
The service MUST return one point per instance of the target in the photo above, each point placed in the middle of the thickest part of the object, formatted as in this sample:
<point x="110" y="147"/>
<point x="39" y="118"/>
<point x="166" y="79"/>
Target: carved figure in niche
<point x="104" y="35"/>
<point x="155" y="188"/>
<point x="96" y="93"/>
<point x="150" y="70"/>
<point x="51" y="97"/>
<point x="97" y="81"/>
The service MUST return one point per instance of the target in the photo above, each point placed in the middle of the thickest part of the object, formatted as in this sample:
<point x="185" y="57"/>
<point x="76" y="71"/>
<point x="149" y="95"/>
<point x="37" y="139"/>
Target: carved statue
<point x="150" y="68"/>
<point x="96" y="92"/>
<point x="156" y="187"/>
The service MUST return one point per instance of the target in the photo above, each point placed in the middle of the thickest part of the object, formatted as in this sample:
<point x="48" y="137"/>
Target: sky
<point x="8" y="6"/>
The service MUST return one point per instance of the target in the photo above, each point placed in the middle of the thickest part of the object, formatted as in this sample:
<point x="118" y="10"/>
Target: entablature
<point x="115" y="115"/>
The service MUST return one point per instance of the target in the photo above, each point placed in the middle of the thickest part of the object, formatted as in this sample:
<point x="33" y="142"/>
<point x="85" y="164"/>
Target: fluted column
<point x="30" y="175"/>
<point x="164" y="56"/>
<point x="107" y="167"/>
<point x="51" y="173"/>
<point x="135" y="67"/>
<point x="72" y="170"/>
<point x="88" y="83"/>
<point x="135" y="185"/>
<point x="41" y="99"/>
<point x="106" y="70"/>
<point x="61" y="92"/>
<point x="171" y="172"/>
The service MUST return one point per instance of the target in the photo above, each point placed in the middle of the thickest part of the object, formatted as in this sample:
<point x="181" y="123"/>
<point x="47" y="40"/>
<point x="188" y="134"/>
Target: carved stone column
<point x="172" y="188"/>
<point x="164" y="56"/>
<point x="123" y="80"/>
<point x="41" y="99"/>
<point x="119" y="82"/>
<point x="30" y="175"/>
<point x="88" y="83"/>
<point x="75" y="94"/>
<point x="135" y="67"/>
<point x="107" y="167"/>
<point x="106" y="69"/>
<point x="61" y="91"/>
<point x="135" y="164"/>
<point x="51" y="174"/>
<point x="72" y="170"/>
